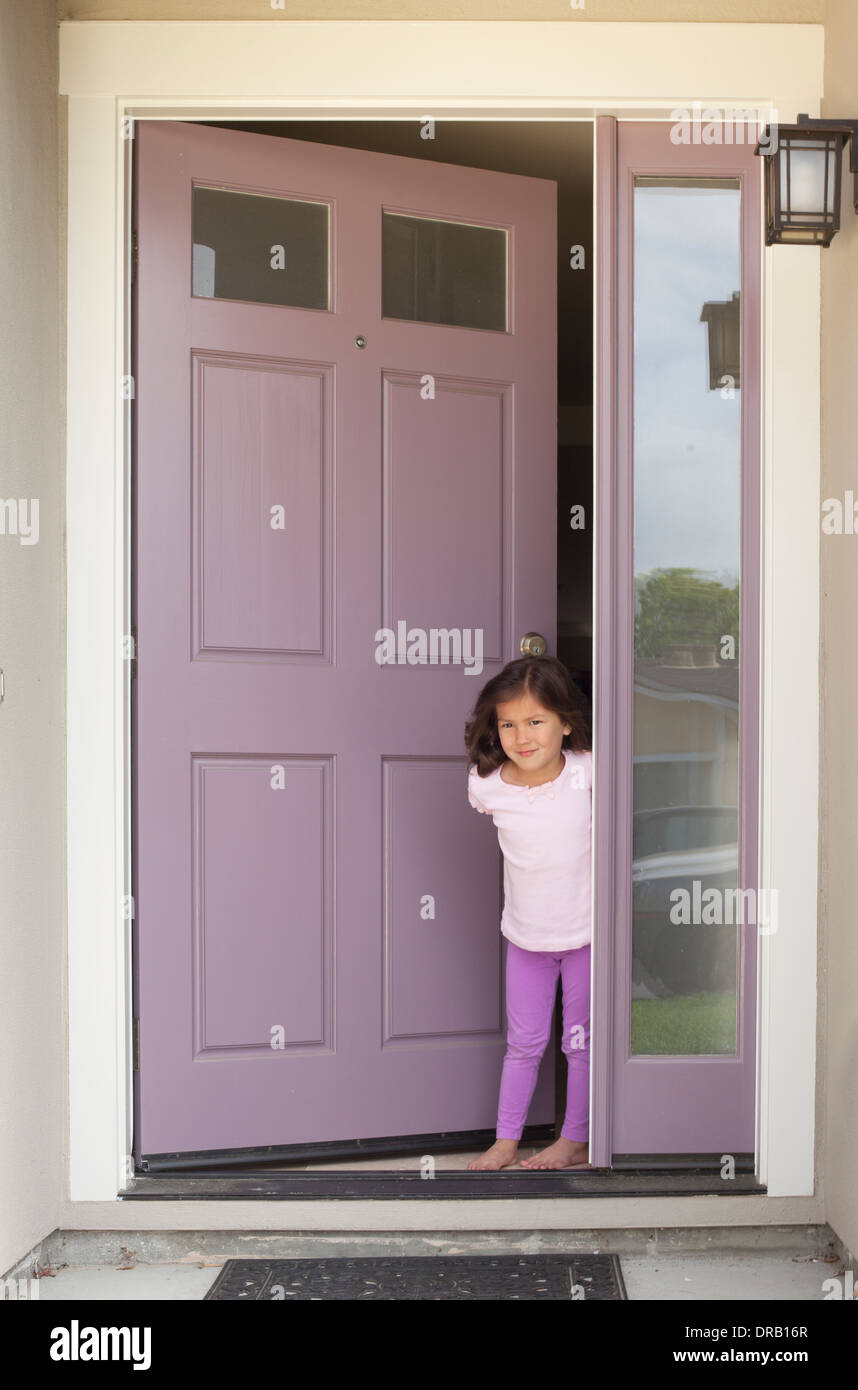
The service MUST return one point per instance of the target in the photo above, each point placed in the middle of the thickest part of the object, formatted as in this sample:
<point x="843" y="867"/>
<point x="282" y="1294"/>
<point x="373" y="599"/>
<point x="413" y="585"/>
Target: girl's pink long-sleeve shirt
<point x="544" y="834"/>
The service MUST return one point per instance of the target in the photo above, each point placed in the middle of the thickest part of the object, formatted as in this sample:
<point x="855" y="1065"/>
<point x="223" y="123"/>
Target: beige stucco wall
<point x="839" y="635"/>
<point x="32" y="639"/>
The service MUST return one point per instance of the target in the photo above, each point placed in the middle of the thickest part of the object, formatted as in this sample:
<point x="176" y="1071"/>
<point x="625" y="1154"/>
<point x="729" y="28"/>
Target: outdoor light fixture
<point x="722" y="316"/>
<point x="803" y="179"/>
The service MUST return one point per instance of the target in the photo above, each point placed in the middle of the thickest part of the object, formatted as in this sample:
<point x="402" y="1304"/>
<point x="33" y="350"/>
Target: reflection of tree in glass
<point x="680" y="605"/>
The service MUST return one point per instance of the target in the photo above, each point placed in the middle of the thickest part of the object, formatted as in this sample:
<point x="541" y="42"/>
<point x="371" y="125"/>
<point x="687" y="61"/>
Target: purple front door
<point x="345" y="517"/>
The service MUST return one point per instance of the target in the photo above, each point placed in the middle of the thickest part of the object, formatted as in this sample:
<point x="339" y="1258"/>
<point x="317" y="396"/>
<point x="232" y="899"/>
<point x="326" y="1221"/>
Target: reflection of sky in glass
<point x="686" y="437"/>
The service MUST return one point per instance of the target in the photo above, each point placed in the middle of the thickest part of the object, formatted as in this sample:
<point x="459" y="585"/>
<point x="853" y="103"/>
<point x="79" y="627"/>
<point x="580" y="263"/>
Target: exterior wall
<point x="32" y="635"/>
<point x="839" y="665"/>
<point x="32" y="638"/>
<point x="391" y="70"/>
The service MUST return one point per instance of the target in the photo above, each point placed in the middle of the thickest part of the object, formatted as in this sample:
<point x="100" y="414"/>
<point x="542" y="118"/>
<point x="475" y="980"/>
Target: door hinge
<point x="136" y="1044"/>
<point x="133" y="654"/>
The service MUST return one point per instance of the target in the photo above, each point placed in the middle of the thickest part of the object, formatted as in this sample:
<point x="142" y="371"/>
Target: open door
<point x="345" y="521"/>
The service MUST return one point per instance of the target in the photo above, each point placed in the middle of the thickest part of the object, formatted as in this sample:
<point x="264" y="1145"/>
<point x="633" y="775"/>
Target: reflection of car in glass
<point x="671" y="847"/>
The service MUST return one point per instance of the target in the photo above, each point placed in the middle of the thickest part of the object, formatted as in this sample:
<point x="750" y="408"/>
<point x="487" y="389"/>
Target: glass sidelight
<point x="687" y="484"/>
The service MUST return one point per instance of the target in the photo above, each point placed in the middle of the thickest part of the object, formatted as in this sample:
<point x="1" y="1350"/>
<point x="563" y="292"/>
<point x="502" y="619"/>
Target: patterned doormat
<point x="593" y="1278"/>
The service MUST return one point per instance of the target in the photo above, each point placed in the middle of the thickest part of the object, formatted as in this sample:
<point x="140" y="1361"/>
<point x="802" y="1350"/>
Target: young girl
<point x="531" y="770"/>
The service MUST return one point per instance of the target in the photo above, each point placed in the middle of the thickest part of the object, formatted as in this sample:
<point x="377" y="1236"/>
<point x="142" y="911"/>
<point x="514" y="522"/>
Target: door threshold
<point x="388" y="1146"/>
<point x="451" y="1185"/>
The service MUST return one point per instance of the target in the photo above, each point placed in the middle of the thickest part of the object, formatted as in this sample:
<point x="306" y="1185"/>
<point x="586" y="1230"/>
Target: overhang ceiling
<point x="693" y="11"/>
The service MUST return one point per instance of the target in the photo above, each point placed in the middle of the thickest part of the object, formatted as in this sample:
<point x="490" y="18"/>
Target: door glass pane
<point x="267" y="250"/>
<point x="687" y="473"/>
<point x="444" y="272"/>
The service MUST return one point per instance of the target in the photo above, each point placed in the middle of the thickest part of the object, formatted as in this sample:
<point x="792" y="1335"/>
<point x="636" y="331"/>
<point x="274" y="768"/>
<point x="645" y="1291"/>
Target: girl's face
<point x="531" y="736"/>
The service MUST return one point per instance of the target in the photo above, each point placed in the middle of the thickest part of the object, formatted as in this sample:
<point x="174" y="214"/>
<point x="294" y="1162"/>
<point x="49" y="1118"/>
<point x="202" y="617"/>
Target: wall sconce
<point x="803" y="165"/>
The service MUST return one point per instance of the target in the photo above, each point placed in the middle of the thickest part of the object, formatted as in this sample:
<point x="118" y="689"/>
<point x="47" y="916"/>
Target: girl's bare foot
<point x="563" y="1153"/>
<point x="501" y="1154"/>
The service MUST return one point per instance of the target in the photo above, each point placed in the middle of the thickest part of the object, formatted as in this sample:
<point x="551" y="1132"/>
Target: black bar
<point x="389" y="1145"/>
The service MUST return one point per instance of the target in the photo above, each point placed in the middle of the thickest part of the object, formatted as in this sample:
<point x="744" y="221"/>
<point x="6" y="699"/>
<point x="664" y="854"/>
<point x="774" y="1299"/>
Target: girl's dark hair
<point x="548" y="681"/>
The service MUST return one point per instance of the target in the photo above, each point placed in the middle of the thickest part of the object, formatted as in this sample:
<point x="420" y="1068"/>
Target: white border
<point x="387" y="69"/>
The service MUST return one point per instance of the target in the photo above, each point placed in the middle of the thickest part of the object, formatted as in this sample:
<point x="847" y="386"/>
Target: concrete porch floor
<point x="723" y="1276"/>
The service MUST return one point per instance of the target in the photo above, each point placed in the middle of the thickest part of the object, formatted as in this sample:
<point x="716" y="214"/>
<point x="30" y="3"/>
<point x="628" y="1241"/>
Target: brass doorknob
<point x="533" y="644"/>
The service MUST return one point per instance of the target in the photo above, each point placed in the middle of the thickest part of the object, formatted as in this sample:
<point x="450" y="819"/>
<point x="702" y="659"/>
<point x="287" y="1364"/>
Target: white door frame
<point x="111" y="71"/>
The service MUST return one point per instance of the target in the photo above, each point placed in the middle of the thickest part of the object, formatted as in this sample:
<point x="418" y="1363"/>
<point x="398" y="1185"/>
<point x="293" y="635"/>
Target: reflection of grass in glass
<point x="685" y="1024"/>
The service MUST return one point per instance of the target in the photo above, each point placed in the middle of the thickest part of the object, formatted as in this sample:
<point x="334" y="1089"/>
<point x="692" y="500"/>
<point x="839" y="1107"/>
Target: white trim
<point x="789" y="820"/>
<point x="365" y="71"/>
<point x="625" y="1215"/>
<point x="417" y="67"/>
<point x="97" y="787"/>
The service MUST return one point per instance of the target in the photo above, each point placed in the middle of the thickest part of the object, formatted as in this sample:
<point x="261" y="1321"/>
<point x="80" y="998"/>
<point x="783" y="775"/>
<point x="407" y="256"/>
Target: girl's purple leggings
<point x="531" y="986"/>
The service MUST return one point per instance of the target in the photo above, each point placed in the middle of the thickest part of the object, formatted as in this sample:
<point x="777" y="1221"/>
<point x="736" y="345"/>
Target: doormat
<point x="593" y="1278"/>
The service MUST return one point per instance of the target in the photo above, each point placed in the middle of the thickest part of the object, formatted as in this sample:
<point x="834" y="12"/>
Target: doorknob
<point x="533" y="644"/>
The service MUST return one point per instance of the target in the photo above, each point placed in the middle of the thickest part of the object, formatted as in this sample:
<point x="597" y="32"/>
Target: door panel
<point x="318" y="954"/>
<point x="247" y="598"/>
<point x="433" y="556"/>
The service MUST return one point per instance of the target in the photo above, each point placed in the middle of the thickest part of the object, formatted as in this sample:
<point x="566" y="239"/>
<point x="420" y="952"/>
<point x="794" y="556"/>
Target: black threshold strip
<point x="337" y="1150"/>
<point x="452" y="1184"/>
